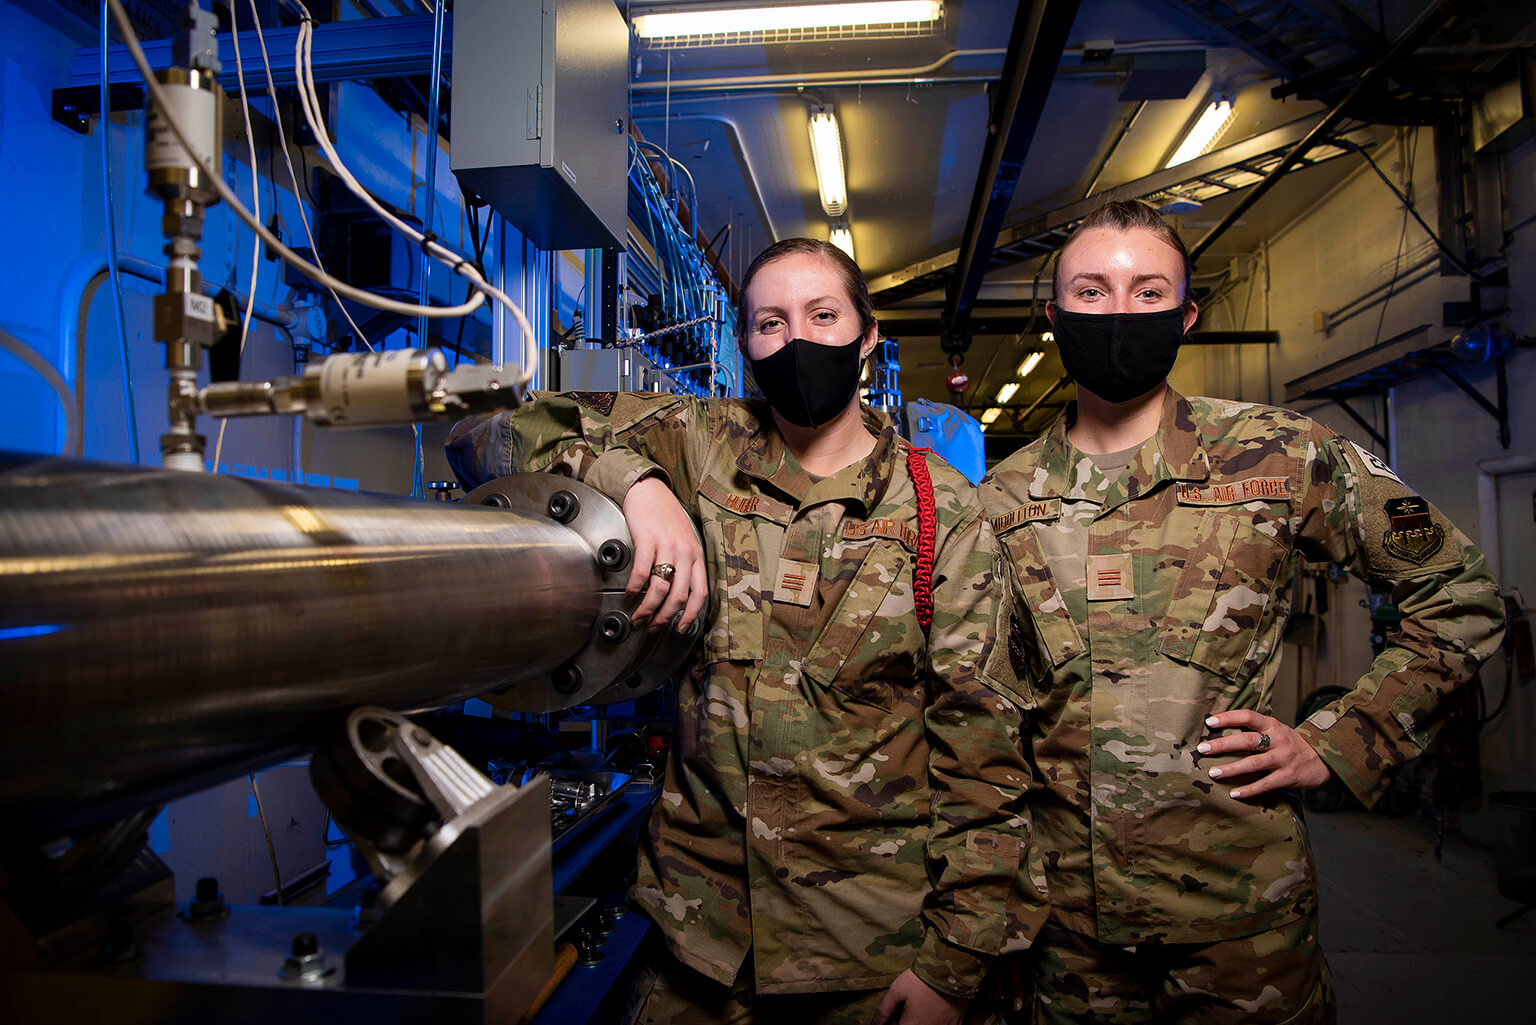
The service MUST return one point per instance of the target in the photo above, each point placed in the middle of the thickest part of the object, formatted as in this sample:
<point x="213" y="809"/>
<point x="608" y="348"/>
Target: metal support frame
<point x="1052" y="390"/>
<point x="1222" y="171"/>
<point x="610" y="297"/>
<point x="1424" y="26"/>
<point x="1034" y="50"/>
<point x="365" y="49"/>
<point x="1500" y="410"/>
<point x="1365" y="425"/>
<point x="1292" y="38"/>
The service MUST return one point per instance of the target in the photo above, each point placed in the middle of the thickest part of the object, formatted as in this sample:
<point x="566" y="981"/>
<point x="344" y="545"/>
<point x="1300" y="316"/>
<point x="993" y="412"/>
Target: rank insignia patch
<point x="1413" y="536"/>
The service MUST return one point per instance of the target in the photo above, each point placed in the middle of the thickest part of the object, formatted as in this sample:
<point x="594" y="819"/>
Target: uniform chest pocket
<point x="731" y="552"/>
<point x="870" y="649"/>
<point x="1222" y="608"/>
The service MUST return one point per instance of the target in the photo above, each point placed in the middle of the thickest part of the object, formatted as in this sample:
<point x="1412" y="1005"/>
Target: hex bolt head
<point x="497" y="500"/>
<point x="613" y="555"/>
<point x="563" y="506"/>
<point x="305" y="962"/>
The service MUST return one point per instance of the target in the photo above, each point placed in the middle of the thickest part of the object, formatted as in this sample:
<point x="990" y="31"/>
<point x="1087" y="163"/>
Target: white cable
<point x="309" y="98"/>
<point x="30" y="356"/>
<point x="250" y="142"/>
<point x="131" y="40"/>
<point x="293" y="177"/>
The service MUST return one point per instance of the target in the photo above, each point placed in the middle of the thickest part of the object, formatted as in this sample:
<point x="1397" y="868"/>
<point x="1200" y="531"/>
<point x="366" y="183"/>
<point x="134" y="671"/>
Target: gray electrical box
<point x="540" y="119"/>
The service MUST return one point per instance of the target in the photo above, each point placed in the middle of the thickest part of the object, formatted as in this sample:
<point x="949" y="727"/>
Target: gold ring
<point x="1263" y="742"/>
<point x="665" y="570"/>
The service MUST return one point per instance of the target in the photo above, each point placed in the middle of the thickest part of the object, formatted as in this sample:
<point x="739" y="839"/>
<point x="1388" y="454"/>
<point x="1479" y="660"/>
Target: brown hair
<point x="853" y="278"/>
<point x="1123" y="216"/>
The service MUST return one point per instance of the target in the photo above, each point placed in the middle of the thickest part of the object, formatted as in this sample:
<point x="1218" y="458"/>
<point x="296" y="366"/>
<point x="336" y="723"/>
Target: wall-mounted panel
<point x="539" y="116"/>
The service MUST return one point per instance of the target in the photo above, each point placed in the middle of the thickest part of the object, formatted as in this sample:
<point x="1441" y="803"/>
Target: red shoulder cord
<point x="927" y="521"/>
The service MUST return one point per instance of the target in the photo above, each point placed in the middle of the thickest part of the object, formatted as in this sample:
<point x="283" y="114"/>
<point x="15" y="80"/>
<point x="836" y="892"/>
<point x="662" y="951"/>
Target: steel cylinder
<point x="161" y="631"/>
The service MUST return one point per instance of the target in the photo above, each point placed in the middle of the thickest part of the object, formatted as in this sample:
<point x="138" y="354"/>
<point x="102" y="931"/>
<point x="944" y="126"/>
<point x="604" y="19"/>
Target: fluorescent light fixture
<point x="1006" y="392"/>
<point x="740" y="20"/>
<point x="989" y="416"/>
<point x="1049" y="336"/>
<point x="1030" y="362"/>
<point x="827" y="153"/>
<point x="841" y="236"/>
<point x="1218" y="115"/>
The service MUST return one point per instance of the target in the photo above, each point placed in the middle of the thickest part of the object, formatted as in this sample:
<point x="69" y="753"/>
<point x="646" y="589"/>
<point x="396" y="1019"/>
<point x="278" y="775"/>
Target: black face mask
<point x="1119" y="356"/>
<point x="807" y="383"/>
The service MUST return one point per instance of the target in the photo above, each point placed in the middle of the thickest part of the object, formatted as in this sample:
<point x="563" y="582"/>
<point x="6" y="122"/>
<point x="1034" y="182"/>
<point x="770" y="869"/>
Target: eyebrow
<point x="822" y="300"/>
<point x="1138" y="279"/>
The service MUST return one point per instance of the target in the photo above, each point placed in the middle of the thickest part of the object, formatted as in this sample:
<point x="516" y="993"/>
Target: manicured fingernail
<point x="1237" y="793"/>
<point x="1215" y="773"/>
<point x="1213" y="721"/>
<point x="1204" y="749"/>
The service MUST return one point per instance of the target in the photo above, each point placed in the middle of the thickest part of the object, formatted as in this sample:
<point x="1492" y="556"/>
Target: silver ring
<point x="665" y="570"/>
<point x="1263" y="742"/>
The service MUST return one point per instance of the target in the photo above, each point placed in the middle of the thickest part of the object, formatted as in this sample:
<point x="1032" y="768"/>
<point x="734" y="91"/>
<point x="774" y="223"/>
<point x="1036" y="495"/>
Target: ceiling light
<point x="1049" y="336"/>
<point x="1218" y="115"/>
<point x="1030" y="362"/>
<point x="841" y="236"/>
<point x="875" y="17"/>
<point x="827" y="153"/>
<point x="1006" y="391"/>
<point x="990" y="415"/>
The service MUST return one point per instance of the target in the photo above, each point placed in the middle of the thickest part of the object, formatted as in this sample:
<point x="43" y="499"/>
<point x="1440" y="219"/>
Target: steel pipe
<point x="162" y="631"/>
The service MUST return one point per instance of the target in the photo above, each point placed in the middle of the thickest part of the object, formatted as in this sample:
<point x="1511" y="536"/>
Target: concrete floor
<point x="1411" y="940"/>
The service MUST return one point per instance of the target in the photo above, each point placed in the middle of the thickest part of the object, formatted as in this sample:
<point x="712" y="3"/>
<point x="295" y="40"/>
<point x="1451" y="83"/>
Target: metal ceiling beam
<point x="1425" y="25"/>
<point x="1040" y="235"/>
<point x="369" y="48"/>
<point x="1034" y="50"/>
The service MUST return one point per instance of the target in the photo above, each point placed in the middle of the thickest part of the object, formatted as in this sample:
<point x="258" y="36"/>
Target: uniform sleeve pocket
<point x="1055" y="638"/>
<point x="736" y="632"/>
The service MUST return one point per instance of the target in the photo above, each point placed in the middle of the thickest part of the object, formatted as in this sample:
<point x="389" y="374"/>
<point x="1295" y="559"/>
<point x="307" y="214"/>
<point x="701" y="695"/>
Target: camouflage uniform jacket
<point x="843" y="797"/>
<point x="1155" y="596"/>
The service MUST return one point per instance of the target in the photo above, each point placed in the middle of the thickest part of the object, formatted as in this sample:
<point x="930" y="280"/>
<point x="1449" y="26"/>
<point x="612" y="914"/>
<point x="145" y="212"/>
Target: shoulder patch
<point x="1030" y="512"/>
<point x="1374" y="464"/>
<point x="597" y="401"/>
<point x="1264" y="489"/>
<point x="1412" y="534"/>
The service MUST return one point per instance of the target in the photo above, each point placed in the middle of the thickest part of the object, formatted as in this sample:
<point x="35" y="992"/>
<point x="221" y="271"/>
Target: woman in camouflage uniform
<point x="840" y="832"/>
<point x="1152" y="540"/>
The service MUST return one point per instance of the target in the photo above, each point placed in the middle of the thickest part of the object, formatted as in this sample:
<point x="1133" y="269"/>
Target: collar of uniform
<point x="767" y="458"/>
<point x="1175" y="452"/>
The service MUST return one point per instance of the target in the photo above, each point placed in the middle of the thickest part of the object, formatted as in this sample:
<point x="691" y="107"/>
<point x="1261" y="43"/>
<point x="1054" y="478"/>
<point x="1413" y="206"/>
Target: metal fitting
<point x="305" y="962"/>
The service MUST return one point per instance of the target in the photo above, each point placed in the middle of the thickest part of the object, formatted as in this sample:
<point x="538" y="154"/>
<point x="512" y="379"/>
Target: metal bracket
<point x="1343" y="402"/>
<point x="1500" y="410"/>
<point x="74" y="106"/>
